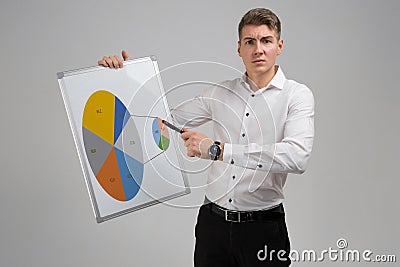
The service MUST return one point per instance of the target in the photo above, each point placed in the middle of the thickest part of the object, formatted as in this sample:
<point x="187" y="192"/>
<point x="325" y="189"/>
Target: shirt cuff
<point x="233" y="154"/>
<point x="238" y="155"/>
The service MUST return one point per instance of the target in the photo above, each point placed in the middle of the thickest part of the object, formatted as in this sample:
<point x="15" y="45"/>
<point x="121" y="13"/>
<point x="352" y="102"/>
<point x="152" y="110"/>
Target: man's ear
<point x="239" y="49"/>
<point x="280" y="46"/>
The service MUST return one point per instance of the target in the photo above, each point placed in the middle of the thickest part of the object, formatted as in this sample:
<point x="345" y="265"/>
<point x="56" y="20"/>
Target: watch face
<point x="214" y="151"/>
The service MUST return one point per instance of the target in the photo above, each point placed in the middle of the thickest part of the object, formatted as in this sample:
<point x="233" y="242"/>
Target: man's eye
<point x="265" y="41"/>
<point x="249" y="42"/>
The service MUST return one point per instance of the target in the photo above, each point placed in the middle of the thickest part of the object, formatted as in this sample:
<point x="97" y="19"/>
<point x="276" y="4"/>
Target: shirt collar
<point x="277" y="81"/>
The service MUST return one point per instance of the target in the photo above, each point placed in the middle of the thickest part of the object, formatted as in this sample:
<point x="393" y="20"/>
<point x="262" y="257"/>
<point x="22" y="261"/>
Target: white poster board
<point x="128" y="157"/>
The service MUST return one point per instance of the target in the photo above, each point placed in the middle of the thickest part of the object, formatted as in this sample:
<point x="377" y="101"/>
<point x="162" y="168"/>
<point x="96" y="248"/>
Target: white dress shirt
<point x="267" y="134"/>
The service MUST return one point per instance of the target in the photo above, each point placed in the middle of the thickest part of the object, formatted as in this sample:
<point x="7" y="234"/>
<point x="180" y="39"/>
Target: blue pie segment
<point x="131" y="172"/>
<point x="121" y="116"/>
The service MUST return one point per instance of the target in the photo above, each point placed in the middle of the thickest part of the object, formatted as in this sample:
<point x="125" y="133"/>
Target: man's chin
<point x="259" y="70"/>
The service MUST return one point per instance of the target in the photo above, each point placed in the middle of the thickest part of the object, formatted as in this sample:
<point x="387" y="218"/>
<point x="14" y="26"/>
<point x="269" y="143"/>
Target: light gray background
<point x="345" y="51"/>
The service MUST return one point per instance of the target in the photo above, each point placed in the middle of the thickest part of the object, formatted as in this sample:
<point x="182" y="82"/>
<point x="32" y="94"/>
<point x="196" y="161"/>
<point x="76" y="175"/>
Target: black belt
<point x="246" y="216"/>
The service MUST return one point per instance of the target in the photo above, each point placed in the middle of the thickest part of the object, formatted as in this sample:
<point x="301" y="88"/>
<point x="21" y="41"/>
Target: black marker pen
<point x="173" y="127"/>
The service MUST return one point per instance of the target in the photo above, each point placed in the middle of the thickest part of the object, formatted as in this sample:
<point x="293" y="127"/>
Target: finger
<point x="190" y="153"/>
<point x="115" y="61"/>
<point x="102" y="63"/>
<point x="109" y="62"/>
<point x="186" y="135"/>
<point x="187" y="144"/>
<point x="119" y="62"/>
<point x="125" y="55"/>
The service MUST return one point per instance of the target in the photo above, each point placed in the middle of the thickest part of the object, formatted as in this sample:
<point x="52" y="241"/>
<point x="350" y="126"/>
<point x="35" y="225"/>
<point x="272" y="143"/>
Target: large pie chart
<point x="116" y="159"/>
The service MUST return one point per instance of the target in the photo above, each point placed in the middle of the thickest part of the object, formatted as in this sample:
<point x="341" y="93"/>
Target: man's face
<point x="258" y="49"/>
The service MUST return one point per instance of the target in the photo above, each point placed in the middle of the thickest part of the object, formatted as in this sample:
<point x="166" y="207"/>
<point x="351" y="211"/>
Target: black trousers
<point x="220" y="243"/>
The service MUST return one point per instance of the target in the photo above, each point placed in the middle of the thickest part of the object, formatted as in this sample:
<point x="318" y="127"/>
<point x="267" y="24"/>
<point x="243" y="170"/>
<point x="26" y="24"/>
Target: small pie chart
<point x="116" y="162"/>
<point x="160" y="134"/>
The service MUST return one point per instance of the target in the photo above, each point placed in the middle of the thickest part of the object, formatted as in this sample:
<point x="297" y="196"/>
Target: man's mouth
<point x="258" y="61"/>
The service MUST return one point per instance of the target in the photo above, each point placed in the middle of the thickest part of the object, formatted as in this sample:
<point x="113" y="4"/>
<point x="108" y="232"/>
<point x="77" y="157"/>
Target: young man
<point x="264" y="130"/>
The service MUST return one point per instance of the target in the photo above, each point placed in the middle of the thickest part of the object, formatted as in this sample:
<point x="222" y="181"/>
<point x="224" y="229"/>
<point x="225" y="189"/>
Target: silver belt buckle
<point x="227" y="212"/>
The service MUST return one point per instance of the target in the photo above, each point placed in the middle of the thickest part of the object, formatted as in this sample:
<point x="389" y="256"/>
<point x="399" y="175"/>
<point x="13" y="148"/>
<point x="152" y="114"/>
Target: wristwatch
<point x="215" y="150"/>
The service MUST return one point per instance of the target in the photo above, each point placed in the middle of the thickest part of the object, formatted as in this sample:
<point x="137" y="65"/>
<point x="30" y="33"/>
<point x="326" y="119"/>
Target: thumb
<point x="125" y="55"/>
<point x="186" y="134"/>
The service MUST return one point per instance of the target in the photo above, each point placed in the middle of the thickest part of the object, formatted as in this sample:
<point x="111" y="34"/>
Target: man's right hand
<point x="113" y="62"/>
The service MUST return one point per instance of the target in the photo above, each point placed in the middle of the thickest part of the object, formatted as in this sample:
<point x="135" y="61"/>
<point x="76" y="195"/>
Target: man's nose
<point x="258" y="49"/>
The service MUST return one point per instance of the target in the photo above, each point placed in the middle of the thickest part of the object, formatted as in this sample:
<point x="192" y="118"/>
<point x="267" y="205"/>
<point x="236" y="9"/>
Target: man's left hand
<point x="197" y="144"/>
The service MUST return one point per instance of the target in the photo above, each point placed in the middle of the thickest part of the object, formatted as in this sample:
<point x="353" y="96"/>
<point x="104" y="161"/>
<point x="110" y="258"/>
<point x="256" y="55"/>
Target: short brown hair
<point x="261" y="16"/>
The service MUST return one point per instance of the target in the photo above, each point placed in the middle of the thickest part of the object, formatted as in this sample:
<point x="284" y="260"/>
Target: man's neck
<point x="260" y="80"/>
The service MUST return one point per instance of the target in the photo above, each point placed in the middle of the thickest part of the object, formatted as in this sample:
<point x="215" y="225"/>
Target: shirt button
<point x="259" y="166"/>
<point x="232" y="161"/>
<point x="247" y="114"/>
<point x="252" y="95"/>
<point x="233" y="177"/>
<point x="243" y="135"/>
<point x="230" y="200"/>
